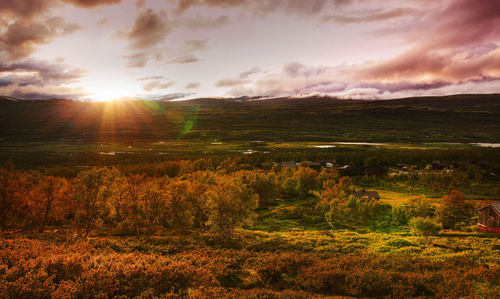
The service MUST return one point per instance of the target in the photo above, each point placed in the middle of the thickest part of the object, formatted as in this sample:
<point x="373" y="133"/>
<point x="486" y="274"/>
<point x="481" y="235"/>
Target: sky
<point x="174" y="49"/>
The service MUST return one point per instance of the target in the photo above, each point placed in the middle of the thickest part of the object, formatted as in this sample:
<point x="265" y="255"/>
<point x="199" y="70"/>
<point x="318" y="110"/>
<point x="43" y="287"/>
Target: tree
<point x="334" y="201"/>
<point x="231" y="204"/>
<point x="341" y="208"/>
<point x="154" y="202"/>
<point x="325" y="175"/>
<point x="50" y="198"/>
<point x="128" y="193"/>
<point x="196" y="196"/>
<point x="92" y="191"/>
<point x="8" y="178"/>
<point x="265" y="184"/>
<point x="454" y="210"/>
<point x="307" y="180"/>
<point x="179" y="213"/>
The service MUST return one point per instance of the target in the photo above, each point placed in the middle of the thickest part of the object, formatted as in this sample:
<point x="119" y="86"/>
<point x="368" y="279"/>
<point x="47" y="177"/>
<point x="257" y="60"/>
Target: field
<point x="189" y="199"/>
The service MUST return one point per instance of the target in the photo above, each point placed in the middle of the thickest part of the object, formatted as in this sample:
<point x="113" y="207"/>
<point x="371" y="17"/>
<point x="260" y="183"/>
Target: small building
<point x="366" y="194"/>
<point x="311" y="164"/>
<point x="288" y="164"/>
<point x="489" y="218"/>
<point x="327" y="163"/>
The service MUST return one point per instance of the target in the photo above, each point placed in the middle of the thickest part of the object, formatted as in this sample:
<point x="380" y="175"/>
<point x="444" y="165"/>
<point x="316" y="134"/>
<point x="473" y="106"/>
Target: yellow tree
<point x="231" y="205"/>
<point x="154" y="202"/>
<point x="9" y="180"/>
<point x="92" y="191"/>
<point x="49" y="199"/>
<point x="307" y="180"/>
<point x="179" y="214"/>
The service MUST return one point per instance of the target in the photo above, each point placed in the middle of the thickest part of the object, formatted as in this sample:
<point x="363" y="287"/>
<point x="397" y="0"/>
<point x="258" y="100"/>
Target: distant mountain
<point x="8" y="99"/>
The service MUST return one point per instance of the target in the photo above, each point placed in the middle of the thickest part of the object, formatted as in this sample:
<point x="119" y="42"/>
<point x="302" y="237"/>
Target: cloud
<point x="185" y="52"/>
<point x="150" y="29"/>
<point x="229" y="82"/>
<point x="25" y="9"/>
<point x="299" y="7"/>
<point x="35" y="72"/>
<point x="192" y="85"/>
<point x="453" y="44"/>
<point x="155" y="82"/>
<point x="369" y="16"/>
<point x="140" y="3"/>
<point x="35" y="79"/>
<point x="91" y="3"/>
<point x="151" y="78"/>
<point x="145" y="38"/>
<point x="188" y="58"/>
<point x="199" y="22"/>
<point x="250" y="72"/>
<point x="21" y="38"/>
<point x="450" y="49"/>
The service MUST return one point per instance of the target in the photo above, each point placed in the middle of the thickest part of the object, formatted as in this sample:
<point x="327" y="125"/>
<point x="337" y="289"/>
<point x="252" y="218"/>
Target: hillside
<point x="461" y="118"/>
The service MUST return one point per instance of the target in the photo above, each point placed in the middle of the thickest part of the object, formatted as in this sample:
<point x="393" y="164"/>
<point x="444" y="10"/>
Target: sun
<point x="101" y="93"/>
<point x="107" y="95"/>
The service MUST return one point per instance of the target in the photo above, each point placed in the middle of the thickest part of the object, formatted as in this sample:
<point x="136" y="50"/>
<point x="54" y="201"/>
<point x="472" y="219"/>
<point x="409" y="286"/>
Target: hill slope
<point x="461" y="118"/>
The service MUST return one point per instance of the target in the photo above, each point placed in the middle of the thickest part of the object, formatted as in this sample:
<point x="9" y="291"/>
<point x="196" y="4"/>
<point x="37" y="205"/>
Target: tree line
<point x="220" y="200"/>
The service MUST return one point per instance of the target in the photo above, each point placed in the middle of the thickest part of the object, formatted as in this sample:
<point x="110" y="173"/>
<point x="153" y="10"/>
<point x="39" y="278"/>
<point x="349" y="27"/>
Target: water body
<point x="487" y="144"/>
<point x="359" y="143"/>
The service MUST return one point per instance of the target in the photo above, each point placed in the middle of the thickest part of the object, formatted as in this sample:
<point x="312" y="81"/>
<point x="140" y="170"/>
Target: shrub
<point x="421" y="226"/>
<point x="400" y="215"/>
